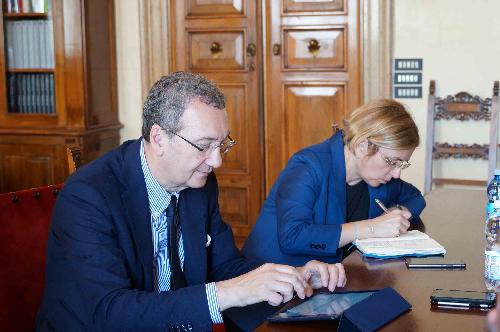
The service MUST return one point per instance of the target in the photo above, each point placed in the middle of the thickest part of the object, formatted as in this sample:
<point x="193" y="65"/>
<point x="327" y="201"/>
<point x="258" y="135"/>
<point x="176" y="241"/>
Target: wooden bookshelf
<point x="63" y="93"/>
<point x="21" y="16"/>
<point x="30" y="70"/>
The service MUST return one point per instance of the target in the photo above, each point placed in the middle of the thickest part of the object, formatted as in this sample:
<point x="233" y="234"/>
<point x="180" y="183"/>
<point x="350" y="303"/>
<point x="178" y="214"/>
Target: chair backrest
<point x="24" y="223"/>
<point x="463" y="107"/>
<point x="74" y="158"/>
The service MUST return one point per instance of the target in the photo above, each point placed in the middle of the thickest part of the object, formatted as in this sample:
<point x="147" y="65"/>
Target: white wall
<point x="459" y="43"/>
<point x="129" y="68"/>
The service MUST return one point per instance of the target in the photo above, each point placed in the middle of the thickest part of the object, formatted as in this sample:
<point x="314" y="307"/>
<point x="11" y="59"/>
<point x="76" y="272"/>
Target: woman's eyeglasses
<point x="395" y="163"/>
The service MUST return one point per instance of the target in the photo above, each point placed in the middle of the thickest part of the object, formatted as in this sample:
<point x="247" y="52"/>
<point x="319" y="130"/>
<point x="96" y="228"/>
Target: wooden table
<point x="455" y="218"/>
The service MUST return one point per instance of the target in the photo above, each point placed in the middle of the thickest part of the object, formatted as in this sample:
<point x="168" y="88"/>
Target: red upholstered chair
<point x="24" y="222"/>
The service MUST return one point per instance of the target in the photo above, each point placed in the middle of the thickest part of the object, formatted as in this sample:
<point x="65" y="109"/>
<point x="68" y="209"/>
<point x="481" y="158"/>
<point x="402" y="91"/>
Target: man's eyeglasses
<point x="225" y="146"/>
<point x="395" y="163"/>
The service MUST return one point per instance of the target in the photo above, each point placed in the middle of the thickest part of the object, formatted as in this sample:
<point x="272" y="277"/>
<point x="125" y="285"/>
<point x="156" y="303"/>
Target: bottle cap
<point x="497" y="171"/>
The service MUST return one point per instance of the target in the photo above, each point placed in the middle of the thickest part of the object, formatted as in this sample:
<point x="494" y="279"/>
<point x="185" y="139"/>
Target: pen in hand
<point x="382" y="206"/>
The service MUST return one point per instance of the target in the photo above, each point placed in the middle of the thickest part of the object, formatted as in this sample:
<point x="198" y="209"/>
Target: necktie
<point x="177" y="279"/>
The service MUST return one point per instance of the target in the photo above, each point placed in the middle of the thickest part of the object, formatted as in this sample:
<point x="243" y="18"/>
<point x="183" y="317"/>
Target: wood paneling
<point x="321" y="48"/>
<point x="314" y="74"/>
<point x="320" y="6"/>
<point x="313" y="81"/>
<point x="216" y="38"/>
<point x="216" y="51"/>
<point x="214" y="7"/>
<point x="308" y="112"/>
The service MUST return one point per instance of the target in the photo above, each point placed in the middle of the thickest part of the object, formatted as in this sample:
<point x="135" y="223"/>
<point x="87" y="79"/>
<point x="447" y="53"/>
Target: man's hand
<point x="318" y="274"/>
<point x="273" y="283"/>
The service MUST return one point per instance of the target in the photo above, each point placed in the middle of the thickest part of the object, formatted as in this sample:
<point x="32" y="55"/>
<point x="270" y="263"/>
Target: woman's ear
<point x="361" y="149"/>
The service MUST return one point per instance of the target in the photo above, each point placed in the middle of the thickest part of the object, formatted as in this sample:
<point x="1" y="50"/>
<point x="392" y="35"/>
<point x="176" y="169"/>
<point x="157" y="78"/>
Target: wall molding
<point x="377" y="19"/>
<point x="154" y="18"/>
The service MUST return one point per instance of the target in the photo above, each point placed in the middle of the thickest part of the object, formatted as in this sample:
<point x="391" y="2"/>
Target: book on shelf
<point x="413" y="243"/>
<point x="31" y="93"/>
<point x="29" y="44"/>
<point x="27" y="6"/>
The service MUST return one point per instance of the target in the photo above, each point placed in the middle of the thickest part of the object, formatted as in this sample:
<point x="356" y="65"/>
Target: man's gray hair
<point x="171" y="95"/>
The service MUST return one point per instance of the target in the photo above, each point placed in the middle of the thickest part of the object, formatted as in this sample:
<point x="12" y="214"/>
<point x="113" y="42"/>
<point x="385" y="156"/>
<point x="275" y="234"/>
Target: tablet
<point x="320" y="306"/>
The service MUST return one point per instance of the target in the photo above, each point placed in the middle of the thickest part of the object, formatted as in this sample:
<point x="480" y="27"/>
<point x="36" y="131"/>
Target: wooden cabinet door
<point x="31" y="161"/>
<point x="313" y="80"/>
<point x="221" y="39"/>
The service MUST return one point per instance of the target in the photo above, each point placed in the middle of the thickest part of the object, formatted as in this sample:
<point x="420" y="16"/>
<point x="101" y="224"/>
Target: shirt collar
<point x="159" y="198"/>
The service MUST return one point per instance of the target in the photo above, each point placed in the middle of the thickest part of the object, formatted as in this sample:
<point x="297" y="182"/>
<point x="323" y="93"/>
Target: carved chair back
<point x="74" y="158"/>
<point x="463" y="107"/>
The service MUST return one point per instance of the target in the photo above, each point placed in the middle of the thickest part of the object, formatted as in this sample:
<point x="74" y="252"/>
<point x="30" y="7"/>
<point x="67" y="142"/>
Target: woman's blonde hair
<point x="385" y="123"/>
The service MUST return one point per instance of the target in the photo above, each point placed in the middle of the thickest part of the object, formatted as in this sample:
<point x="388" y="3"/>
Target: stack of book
<point x="29" y="44"/>
<point x="31" y="93"/>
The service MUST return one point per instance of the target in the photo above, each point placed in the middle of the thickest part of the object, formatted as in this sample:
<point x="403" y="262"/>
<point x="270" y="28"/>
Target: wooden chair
<point x="74" y="158"/>
<point x="462" y="107"/>
<point x="24" y="223"/>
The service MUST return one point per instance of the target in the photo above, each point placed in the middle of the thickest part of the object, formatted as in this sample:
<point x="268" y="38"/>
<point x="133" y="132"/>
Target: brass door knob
<point x="215" y="49"/>
<point x="313" y="46"/>
<point x="251" y="49"/>
<point x="276" y="49"/>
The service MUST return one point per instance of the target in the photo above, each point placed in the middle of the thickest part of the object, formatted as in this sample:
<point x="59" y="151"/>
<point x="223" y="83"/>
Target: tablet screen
<point x="322" y="306"/>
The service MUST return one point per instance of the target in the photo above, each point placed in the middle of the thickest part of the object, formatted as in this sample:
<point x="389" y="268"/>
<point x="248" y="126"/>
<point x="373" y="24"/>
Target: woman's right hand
<point x="391" y="224"/>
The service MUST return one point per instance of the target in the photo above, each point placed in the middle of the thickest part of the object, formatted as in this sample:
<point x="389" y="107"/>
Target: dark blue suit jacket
<point x="100" y="254"/>
<point x="303" y="215"/>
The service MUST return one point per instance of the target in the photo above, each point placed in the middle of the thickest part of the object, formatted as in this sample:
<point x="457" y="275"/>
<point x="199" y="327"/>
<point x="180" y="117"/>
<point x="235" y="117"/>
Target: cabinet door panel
<point x="215" y="7"/>
<point x="298" y="6"/>
<point x="315" y="49"/>
<point x="236" y="101"/>
<point x="309" y="110"/>
<point x="29" y="165"/>
<point x="222" y="50"/>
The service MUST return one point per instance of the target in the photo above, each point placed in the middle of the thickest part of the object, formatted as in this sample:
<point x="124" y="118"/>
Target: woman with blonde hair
<point x="325" y="197"/>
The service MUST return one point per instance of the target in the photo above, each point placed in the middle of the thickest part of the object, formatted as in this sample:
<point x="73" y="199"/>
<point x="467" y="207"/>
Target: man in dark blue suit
<point x="124" y="256"/>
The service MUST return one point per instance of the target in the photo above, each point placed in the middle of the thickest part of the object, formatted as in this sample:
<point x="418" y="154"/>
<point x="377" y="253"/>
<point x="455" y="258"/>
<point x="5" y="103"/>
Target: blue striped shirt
<point x="159" y="199"/>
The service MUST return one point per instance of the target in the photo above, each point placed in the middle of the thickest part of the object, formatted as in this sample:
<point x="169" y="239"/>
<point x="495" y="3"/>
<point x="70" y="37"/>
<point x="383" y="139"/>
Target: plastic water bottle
<point x="493" y="190"/>
<point x="491" y="230"/>
<point x="492" y="249"/>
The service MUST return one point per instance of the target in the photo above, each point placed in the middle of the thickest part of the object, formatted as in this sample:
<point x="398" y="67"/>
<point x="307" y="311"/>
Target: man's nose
<point x="214" y="159"/>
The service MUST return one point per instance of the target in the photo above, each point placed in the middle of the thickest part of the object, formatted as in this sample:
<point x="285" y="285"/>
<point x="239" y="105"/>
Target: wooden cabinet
<point x="57" y="89"/>
<point x="289" y="69"/>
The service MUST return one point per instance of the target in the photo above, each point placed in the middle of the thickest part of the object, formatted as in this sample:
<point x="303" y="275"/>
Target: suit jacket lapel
<point x="136" y="206"/>
<point x="192" y="221"/>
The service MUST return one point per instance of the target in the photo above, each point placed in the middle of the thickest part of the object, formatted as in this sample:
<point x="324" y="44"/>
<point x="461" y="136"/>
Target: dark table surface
<point x="454" y="218"/>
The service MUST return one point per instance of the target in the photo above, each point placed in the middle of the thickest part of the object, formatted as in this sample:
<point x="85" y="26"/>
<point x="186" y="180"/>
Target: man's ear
<point x="157" y="139"/>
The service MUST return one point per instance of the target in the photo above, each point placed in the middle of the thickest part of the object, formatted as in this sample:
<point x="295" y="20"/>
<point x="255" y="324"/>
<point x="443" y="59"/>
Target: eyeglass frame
<point x="224" y="146"/>
<point x="395" y="163"/>
<point x="391" y="162"/>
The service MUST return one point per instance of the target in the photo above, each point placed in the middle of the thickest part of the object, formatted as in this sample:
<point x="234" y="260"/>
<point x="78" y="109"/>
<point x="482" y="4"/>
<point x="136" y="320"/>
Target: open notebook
<point x="413" y="243"/>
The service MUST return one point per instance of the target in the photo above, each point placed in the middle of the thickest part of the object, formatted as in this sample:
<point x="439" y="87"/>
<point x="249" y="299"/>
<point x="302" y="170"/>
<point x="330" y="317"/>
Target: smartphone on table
<point x="463" y="298"/>
<point x="435" y="262"/>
